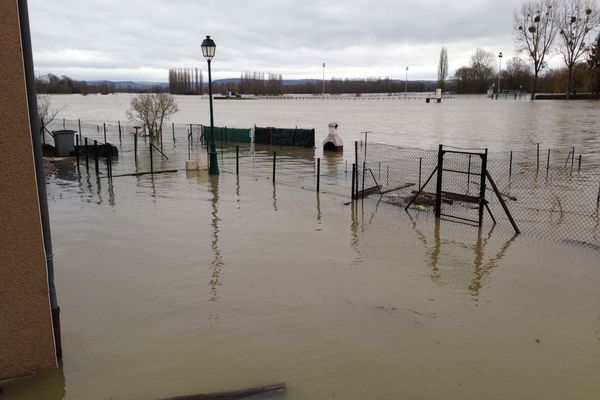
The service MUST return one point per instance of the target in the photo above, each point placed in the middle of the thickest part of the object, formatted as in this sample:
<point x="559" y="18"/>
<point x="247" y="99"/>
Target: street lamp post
<point x="499" y="69"/>
<point x="323" y="80"/>
<point x="406" y="84"/>
<point x="208" y="51"/>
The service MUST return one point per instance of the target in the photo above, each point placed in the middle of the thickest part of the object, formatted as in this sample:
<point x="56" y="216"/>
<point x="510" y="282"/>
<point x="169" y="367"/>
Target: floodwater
<point x="468" y="121"/>
<point x="182" y="284"/>
<point x="179" y="283"/>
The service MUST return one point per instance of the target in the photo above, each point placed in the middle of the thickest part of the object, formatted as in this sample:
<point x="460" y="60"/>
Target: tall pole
<point x="213" y="167"/>
<point x="406" y="83"/>
<point x="38" y="158"/>
<point x="499" y="69"/>
<point x="323" y="80"/>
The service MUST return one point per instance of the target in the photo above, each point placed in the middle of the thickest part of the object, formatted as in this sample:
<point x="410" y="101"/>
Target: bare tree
<point x="577" y="20"/>
<point x="535" y="27"/>
<point x="150" y="111"/>
<point x="165" y="106"/>
<point x="483" y="65"/>
<point x="517" y="73"/>
<point x="46" y="112"/>
<point x="443" y="68"/>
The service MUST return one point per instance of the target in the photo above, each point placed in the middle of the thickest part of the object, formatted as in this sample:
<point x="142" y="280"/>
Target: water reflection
<point x="318" y="208"/>
<point x="441" y="246"/>
<point x="51" y="384"/>
<point x="66" y="170"/>
<point x="483" y="270"/>
<point x="111" y="193"/>
<point x="354" y="232"/>
<point x="274" y="197"/>
<point x="217" y="262"/>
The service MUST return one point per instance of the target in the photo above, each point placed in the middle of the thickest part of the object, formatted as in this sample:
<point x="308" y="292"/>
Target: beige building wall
<point x="26" y="338"/>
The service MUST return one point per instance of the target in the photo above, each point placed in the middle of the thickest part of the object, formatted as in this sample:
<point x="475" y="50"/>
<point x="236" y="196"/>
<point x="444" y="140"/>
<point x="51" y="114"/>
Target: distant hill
<point x="130" y="84"/>
<point x="146" y="85"/>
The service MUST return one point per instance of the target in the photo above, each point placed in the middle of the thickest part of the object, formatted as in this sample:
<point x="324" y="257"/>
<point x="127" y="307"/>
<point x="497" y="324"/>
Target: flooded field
<point x="179" y="284"/>
<point x="471" y="121"/>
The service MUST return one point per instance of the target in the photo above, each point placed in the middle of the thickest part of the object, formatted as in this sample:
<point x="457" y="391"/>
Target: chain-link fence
<point x="550" y="193"/>
<point x="115" y="148"/>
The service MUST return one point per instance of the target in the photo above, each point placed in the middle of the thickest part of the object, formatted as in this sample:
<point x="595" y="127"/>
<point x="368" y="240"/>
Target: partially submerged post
<point x="318" y="173"/>
<point x="96" y="156"/>
<point x="135" y="140"/>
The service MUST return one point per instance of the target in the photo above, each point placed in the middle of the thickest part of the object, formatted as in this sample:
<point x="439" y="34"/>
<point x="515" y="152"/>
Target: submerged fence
<point x="287" y="157"/>
<point x="549" y="193"/>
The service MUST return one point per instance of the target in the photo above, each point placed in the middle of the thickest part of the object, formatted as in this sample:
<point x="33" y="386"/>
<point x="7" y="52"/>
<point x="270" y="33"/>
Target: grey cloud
<point x="138" y="39"/>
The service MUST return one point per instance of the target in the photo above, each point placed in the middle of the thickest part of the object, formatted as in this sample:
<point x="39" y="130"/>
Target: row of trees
<point x="252" y="82"/>
<point x="185" y="81"/>
<point x="52" y="84"/>
<point x="566" y="27"/>
<point x="481" y="74"/>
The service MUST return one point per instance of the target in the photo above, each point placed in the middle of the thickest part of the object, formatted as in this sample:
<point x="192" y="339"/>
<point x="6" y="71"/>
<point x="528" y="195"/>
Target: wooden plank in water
<point x="367" y="192"/>
<point x="236" y="394"/>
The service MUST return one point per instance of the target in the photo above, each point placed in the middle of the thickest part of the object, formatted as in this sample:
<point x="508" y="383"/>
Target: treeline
<point x="185" y="81"/>
<point x="52" y="84"/>
<point x="359" y="85"/>
<point x="517" y="75"/>
<point x="256" y="83"/>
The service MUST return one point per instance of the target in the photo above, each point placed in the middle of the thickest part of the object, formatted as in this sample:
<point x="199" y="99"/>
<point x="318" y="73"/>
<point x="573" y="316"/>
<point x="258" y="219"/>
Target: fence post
<point x="135" y="139"/>
<point x="579" y="164"/>
<point x="151" y="160"/>
<point x="64" y="124"/>
<point x="510" y="165"/>
<point x="548" y="163"/>
<point x="318" y="173"/>
<point x="438" y="189"/>
<point x="96" y="156"/>
<point x="119" y="122"/>
<point x="572" y="161"/>
<point x="77" y="148"/>
<point x="237" y="159"/>
<point x="420" y="168"/>
<point x="108" y="163"/>
<point x="173" y="129"/>
<point x="274" y="163"/>
<point x="468" y="173"/>
<point x="356" y="166"/>
<point x="104" y="127"/>
<point x="87" y="161"/>
<point x="537" y="168"/>
<point x="79" y="125"/>
<point x="43" y="131"/>
<point x="353" y="178"/>
<point x="482" y="201"/>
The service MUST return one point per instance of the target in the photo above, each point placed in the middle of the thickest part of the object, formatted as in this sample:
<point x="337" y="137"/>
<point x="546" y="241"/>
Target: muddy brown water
<point x="178" y="284"/>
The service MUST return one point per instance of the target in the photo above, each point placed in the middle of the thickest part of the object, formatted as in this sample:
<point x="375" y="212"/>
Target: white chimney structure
<point x="333" y="141"/>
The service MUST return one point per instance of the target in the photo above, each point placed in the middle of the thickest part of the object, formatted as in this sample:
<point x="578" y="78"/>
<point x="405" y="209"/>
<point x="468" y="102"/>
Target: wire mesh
<point x="177" y="143"/>
<point x="552" y="194"/>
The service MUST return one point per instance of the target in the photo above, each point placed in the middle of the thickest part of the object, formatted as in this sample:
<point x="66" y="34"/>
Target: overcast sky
<point x="141" y="39"/>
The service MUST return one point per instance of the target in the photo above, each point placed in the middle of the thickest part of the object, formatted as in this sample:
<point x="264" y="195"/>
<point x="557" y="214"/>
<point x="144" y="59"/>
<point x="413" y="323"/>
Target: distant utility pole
<point x="323" y="80"/>
<point x="406" y="83"/>
<point x="499" y="69"/>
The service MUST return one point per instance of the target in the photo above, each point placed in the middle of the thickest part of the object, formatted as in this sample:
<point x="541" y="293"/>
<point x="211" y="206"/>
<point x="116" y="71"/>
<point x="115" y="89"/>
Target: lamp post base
<point x="213" y="165"/>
